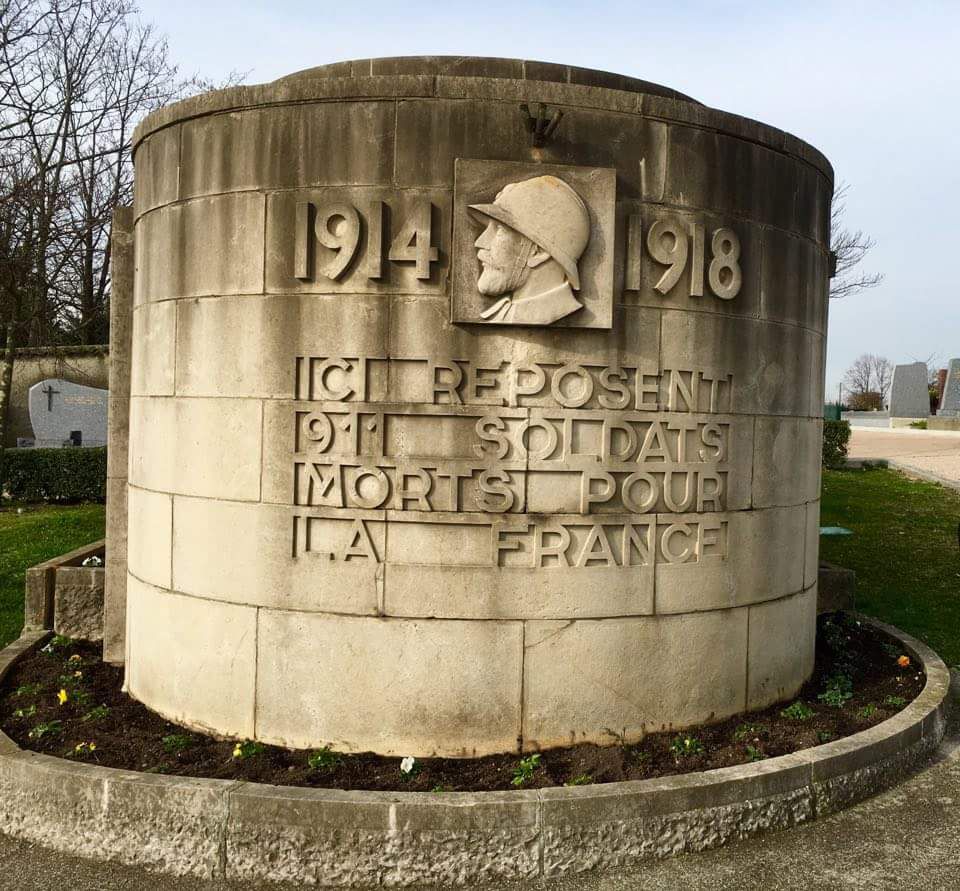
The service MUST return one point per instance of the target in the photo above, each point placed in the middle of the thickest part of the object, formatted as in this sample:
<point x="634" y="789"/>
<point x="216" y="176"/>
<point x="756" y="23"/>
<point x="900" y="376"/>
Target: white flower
<point x="406" y="766"/>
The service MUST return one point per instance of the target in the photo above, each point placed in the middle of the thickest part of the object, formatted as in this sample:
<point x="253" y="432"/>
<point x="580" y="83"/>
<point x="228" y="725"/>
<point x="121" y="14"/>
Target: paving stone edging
<point x="240" y="830"/>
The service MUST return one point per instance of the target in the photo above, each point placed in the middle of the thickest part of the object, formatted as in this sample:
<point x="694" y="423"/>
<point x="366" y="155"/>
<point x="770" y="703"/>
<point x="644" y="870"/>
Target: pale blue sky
<point x="875" y="86"/>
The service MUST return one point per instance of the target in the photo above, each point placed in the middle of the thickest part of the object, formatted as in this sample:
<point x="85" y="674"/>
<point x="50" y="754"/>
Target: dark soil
<point x="855" y="659"/>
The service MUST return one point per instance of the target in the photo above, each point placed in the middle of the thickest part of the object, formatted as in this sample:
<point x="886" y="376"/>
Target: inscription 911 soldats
<point x="630" y="461"/>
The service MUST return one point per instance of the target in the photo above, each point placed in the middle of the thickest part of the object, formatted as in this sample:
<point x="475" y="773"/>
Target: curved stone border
<point x="240" y="830"/>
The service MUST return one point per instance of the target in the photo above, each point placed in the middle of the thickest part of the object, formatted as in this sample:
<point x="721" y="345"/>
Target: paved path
<point x="907" y="838"/>
<point x="932" y="453"/>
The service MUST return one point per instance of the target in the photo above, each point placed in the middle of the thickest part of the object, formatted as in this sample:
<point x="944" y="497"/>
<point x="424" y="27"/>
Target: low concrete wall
<point x="951" y="425"/>
<point x="239" y="830"/>
<point x="866" y="418"/>
<point x="836" y="588"/>
<point x="66" y="596"/>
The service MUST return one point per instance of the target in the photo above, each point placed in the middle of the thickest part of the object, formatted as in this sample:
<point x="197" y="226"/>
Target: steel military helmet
<point x="548" y="212"/>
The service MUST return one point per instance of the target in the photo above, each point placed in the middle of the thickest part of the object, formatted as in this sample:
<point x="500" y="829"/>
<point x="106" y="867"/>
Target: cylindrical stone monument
<point x="475" y="407"/>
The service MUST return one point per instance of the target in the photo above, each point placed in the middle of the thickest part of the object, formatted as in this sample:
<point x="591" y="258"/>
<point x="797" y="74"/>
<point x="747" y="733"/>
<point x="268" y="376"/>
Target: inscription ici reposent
<point x="600" y="447"/>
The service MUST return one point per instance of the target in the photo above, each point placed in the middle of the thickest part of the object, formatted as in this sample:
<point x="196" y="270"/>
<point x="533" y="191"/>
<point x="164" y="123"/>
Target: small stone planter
<point x="239" y="830"/>
<point x="63" y="595"/>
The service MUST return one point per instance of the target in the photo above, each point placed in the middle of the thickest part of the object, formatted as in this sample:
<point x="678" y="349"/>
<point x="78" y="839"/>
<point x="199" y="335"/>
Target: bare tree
<point x="75" y="78"/>
<point x="849" y="247"/>
<point x="138" y="76"/>
<point x="882" y="375"/>
<point x="859" y="376"/>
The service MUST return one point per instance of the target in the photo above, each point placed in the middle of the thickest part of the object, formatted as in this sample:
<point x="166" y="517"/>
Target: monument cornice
<point x="332" y="83"/>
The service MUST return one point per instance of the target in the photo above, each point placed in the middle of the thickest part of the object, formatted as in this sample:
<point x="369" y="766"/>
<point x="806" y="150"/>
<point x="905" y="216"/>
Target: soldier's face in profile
<point x="503" y="254"/>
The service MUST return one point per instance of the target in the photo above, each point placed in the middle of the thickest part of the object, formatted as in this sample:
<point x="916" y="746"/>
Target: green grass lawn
<point x="37" y="534"/>
<point x="904" y="551"/>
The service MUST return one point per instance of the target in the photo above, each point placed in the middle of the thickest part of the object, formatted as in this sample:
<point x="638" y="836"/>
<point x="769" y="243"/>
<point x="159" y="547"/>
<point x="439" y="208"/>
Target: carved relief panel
<point x="533" y="244"/>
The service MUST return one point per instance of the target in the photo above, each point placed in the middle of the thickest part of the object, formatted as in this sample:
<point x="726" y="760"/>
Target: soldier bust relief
<point x="535" y="233"/>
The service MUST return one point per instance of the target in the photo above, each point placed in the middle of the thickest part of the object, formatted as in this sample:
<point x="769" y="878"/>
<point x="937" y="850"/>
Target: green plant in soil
<point x="635" y="755"/>
<point x="747" y="731"/>
<point x="838" y="640"/>
<point x="867" y="712"/>
<point x="838" y="688"/>
<point x="176" y="743"/>
<point x="754" y="754"/>
<point x="323" y="759"/>
<point x="45" y="729"/>
<point x="97" y="713"/>
<point x="57" y="642"/>
<point x="27" y="690"/>
<point x="248" y="749"/>
<point x="686" y="747"/>
<point x="71" y="681"/>
<point x="523" y="772"/>
<point x="27" y="712"/>
<point x="894" y="702"/>
<point x="824" y="736"/>
<point x="74" y="692"/>
<point x="904" y="551"/>
<point x="583" y="779"/>
<point x="438" y="789"/>
<point x="798" y="711"/>
<point x="81" y="750"/>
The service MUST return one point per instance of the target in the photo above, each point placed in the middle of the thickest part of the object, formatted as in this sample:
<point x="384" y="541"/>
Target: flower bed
<point x="62" y="700"/>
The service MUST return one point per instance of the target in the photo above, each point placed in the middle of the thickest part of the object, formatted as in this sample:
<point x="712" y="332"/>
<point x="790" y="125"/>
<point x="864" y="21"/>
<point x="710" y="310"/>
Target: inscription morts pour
<point x="606" y="467"/>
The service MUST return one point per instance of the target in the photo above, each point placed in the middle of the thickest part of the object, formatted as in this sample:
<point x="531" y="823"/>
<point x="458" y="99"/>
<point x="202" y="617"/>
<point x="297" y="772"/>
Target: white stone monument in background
<point x="909" y="394"/>
<point x="950" y="400"/>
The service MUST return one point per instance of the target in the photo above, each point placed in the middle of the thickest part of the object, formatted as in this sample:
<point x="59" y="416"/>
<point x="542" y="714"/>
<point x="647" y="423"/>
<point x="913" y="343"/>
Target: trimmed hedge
<point x="67" y="474"/>
<point x="836" y="435"/>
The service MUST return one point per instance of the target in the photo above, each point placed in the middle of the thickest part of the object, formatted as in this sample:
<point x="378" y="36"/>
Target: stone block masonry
<point x="118" y="433"/>
<point x="517" y="443"/>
